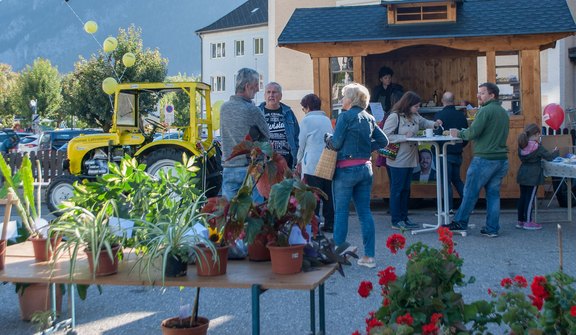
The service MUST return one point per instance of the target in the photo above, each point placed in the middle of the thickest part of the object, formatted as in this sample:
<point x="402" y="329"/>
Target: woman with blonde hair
<point x="404" y="122"/>
<point x="355" y="137"/>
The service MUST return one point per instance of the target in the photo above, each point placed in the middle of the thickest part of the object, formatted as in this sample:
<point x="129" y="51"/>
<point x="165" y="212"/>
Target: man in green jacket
<point x="489" y="133"/>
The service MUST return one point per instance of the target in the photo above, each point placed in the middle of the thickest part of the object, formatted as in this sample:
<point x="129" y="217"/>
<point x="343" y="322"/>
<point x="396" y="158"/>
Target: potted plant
<point x="28" y="205"/>
<point x="95" y="233"/>
<point x="289" y="207"/>
<point x="187" y="324"/>
<point x="172" y="239"/>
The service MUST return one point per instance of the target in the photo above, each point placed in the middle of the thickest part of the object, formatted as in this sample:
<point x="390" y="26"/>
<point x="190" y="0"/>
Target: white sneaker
<point x="367" y="262"/>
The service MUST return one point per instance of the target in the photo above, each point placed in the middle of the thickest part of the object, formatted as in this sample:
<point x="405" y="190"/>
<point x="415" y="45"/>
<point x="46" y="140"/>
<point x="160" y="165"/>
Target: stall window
<point x="508" y="81"/>
<point x="341" y="74"/>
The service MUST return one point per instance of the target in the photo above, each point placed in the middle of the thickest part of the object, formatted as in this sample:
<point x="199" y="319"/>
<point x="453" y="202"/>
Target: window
<point x="239" y="48"/>
<point x="341" y="74"/>
<point x="261" y="83"/>
<point x="440" y="11"/>
<point x="218" y="50"/>
<point x="508" y="80"/>
<point x="218" y="83"/>
<point x="258" y="46"/>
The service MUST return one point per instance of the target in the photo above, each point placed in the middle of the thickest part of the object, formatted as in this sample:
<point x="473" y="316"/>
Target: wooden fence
<point x="50" y="163"/>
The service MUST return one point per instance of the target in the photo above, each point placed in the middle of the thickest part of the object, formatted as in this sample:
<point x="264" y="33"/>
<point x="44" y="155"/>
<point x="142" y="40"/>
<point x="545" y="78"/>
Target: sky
<point x="53" y="29"/>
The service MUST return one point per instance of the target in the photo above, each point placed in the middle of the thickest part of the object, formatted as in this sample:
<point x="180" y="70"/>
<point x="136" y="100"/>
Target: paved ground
<point x="137" y="310"/>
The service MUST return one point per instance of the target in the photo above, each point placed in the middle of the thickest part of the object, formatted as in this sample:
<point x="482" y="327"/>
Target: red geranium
<point x="445" y="236"/>
<point x="506" y="282"/>
<point x="521" y="281"/>
<point x="365" y="288"/>
<point x="538" y="288"/>
<point x="387" y="276"/>
<point x="405" y="319"/>
<point x="573" y="311"/>
<point x="372" y="322"/>
<point x="429" y="329"/>
<point x="395" y="242"/>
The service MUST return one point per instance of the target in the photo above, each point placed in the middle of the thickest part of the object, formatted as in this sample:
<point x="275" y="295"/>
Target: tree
<point x="8" y="80"/>
<point x="41" y="82"/>
<point x="85" y="98"/>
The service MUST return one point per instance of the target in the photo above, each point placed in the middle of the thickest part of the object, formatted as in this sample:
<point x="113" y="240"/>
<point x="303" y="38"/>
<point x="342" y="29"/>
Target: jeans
<point x="354" y="183"/>
<point x="454" y="164"/>
<point x="399" y="193"/>
<point x="232" y="179"/>
<point x="327" y="204"/>
<point x="488" y="174"/>
<point x="526" y="203"/>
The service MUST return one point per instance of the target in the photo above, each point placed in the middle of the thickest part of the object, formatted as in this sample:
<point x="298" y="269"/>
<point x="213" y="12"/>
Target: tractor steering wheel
<point x="155" y="123"/>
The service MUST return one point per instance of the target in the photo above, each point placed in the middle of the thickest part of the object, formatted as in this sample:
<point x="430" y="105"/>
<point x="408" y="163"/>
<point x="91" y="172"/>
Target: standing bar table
<point x="440" y="143"/>
<point x="566" y="171"/>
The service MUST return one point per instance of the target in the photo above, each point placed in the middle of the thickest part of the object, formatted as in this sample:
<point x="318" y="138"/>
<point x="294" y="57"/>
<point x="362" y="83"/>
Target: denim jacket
<point x="291" y="127"/>
<point x="357" y="135"/>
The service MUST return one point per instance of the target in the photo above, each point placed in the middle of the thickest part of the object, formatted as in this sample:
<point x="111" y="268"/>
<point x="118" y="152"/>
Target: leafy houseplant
<point x="95" y="233"/>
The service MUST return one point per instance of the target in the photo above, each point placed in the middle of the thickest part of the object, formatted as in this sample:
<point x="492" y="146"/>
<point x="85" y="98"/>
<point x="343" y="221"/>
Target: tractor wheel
<point x="60" y="189"/>
<point x="163" y="159"/>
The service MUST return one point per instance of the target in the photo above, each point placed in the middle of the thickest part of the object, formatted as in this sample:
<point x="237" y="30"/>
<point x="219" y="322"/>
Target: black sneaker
<point x="488" y="234"/>
<point x="410" y="224"/>
<point x="455" y="226"/>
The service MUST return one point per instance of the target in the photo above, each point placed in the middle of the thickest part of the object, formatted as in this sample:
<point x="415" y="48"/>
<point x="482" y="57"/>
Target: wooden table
<point x="21" y="267"/>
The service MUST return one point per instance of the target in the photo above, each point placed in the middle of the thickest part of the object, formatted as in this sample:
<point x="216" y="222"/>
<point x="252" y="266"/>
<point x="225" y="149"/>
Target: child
<point x="530" y="173"/>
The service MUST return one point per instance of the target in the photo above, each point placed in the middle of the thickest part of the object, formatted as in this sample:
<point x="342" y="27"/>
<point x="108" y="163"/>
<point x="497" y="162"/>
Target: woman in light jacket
<point x="311" y="143"/>
<point x="404" y="122"/>
<point x="355" y="137"/>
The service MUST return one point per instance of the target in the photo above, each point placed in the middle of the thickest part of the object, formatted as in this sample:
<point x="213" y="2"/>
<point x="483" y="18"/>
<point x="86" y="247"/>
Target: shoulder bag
<point x="391" y="150"/>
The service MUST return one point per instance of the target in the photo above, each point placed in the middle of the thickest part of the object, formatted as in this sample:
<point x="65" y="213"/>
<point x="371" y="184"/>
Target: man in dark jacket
<point x="452" y="118"/>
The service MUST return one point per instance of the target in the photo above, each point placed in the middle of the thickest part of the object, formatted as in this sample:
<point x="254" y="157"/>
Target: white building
<point x="238" y="39"/>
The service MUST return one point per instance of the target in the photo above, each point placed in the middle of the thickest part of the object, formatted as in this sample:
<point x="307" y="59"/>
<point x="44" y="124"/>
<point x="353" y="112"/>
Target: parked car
<point x="53" y="140"/>
<point x="29" y="144"/>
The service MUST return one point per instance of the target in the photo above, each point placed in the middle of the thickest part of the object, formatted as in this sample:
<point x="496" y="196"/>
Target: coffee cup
<point x="453" y="132"/>
<point x="429" y="132"/>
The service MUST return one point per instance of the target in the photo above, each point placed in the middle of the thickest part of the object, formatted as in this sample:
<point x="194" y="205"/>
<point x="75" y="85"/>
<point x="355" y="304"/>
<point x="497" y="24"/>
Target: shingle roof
<point x="474" y="18"/>
<point x="250" y="13"/>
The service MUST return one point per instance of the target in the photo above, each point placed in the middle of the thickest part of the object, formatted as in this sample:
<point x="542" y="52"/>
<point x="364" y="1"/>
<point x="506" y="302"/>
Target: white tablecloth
<point x="559" y="169"/>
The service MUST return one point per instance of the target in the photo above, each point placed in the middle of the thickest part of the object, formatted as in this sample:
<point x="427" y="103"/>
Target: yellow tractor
<point x="139" y="131"/>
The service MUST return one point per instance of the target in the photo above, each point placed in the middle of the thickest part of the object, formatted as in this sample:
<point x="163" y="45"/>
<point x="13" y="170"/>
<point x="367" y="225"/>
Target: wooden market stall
<point x="434" y="46"/>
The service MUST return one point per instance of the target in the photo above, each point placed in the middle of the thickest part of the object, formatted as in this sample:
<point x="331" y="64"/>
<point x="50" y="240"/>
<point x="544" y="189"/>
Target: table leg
<point x="312" y="312"/>
<point x="569" y="183"/>
<point x="256" y="291"/>
<point x="322" y="309"/>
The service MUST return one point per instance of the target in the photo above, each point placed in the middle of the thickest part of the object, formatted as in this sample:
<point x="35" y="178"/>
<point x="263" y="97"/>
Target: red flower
<point x="386" y="302"/>
<point x="506" y="282"/>
<point x="356" y="333"/>
<point x="521" y="281"/>
<point x="436" y="317"/>
<point x="538" y="288"/>
<point x="573" y="311"/>
<point x="395" y="242"/>
<point x="537" y="301"/>
<point x="429" y="329"/>
<point x="372" y="322"/>
<point x="405" y="319"/>
<point x="387" y="276"/>
<point x="365" y="288"/>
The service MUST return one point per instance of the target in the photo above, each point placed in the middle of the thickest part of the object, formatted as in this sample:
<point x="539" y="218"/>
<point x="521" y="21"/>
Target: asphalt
<point x="139" y="310"/>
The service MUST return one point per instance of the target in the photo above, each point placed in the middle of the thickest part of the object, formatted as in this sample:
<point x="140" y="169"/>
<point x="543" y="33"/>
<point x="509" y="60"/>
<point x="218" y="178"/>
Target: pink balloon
<point x="553" y="116"/>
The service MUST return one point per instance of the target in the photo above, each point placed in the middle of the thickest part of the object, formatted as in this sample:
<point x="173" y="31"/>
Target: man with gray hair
<point x="282" y="123"/>
<point x="238" y="118"/>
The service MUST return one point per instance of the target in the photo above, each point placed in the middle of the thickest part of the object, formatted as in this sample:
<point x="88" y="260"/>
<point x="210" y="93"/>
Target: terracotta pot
<point x="175" y="267"/>
<point x="106" y="266"/>
<point x="176" y="326"/>
<point x="286" y="260"/>
<point x="2" y="254"/>
<point x="257" y="250"/>
<point x="36" y="298"/>
<point x="42" y="251"/>
<point x="205" y="264"/>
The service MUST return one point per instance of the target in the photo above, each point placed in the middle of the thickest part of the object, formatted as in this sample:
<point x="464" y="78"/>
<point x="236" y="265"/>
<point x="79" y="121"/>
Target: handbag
<point x="326" y="165"/>
<point x="391" y="150"/>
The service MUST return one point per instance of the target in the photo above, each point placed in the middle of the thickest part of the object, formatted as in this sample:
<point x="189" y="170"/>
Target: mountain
<point x="53" y="29"/>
